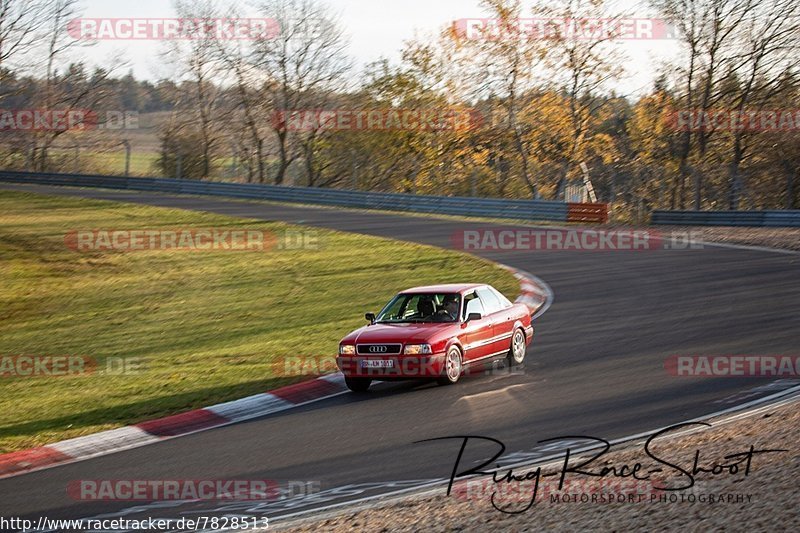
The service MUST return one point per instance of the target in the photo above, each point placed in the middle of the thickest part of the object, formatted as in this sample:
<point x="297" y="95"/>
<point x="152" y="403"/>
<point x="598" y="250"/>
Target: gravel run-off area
<point x="765" y="499"/>
<point x="781" y="238"/>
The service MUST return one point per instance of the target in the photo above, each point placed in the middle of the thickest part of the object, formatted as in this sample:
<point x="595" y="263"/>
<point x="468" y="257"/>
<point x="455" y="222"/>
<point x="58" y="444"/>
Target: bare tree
<point x="303" y="63"/>
<point x="583" y="64"/>
<point x="200" y="71"/>
<point x="248" y="109"/>
<point x="70" y="89"/>
<point x="707" y="29"/>
<point x="22" y="27"/>
<point x="768" y="44"/>
<point x="503" y="63"/>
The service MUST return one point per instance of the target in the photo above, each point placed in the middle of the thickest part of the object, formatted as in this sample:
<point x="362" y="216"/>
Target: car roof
<point x="447" y="287"/>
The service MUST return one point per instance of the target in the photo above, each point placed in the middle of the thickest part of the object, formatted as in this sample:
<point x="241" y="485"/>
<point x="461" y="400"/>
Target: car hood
<point x="401" y="332"/>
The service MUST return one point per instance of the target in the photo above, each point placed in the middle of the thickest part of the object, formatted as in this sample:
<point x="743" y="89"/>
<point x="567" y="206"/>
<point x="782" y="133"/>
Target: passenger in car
<point x="425" y="308"/>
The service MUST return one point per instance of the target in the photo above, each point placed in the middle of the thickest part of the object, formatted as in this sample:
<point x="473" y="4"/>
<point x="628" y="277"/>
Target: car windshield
<point x="422" y="307"/>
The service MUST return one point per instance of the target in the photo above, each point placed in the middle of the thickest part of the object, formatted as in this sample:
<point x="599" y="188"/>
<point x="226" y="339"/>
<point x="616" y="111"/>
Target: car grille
<point x="378" y="349"/>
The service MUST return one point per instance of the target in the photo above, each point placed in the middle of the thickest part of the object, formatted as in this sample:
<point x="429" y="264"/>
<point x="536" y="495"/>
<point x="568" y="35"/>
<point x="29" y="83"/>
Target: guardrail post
<point x="127" y="146"/>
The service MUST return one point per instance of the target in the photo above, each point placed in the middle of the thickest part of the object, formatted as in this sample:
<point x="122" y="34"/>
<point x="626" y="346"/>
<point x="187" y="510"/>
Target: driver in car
<point x="449" y="308"/>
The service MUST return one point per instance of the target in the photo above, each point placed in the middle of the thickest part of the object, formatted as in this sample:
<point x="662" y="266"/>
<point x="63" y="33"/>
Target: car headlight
<point x="347" y="349"/>
<point x="417" y="349"/>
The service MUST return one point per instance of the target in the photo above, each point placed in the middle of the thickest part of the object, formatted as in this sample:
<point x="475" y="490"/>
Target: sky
<point x="375" y="29"/>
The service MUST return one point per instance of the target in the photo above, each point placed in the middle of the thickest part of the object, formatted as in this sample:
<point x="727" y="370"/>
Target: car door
<point x="477" y="336"/>
<point x="501" y="319"/>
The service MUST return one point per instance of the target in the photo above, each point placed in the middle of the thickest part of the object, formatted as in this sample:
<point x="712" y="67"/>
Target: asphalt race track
<point x="596" y="367"/>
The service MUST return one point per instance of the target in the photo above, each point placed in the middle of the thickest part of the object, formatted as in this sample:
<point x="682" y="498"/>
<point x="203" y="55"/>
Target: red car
<point x="435" y="332"/>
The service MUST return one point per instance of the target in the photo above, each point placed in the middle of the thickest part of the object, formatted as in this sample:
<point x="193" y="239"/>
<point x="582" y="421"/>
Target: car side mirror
<point x="370" y="317"/>
<point x="473" y="316"/>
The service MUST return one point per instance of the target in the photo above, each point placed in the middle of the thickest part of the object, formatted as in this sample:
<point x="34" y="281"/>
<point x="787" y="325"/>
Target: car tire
<point x="516" y="353"/>
<point x="453" y="367"/>
<point x="358" y="384"/>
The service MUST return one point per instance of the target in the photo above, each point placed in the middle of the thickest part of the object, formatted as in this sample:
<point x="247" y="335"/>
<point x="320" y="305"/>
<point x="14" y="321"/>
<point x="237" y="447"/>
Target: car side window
<point x="504" y="302"/>
<point x="473" y="305"/>
<point x="490" y="302"/>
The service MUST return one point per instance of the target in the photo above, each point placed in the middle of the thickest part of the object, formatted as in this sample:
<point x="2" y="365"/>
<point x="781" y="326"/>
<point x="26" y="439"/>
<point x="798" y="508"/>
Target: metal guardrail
<point x="774" y="218"/>
<point x="535" y="210"/>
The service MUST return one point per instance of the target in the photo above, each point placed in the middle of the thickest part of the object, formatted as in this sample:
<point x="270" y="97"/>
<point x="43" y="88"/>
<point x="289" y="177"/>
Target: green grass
<point x="206" y="325"/>
<point x="113" y="163"/>
<point x="110" y="162"/>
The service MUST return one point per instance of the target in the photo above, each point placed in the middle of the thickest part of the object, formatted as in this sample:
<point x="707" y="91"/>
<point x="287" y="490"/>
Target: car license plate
<point x="377" y="363"/>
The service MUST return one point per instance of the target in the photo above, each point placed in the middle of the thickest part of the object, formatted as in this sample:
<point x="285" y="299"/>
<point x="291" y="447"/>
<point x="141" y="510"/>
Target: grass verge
<point x="204" y="326"/>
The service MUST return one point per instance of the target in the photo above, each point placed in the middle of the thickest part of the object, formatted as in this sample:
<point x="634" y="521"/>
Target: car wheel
<point x="452" y="367"/>
<point x="516" y="355"/>
<point x="357" y="384"/>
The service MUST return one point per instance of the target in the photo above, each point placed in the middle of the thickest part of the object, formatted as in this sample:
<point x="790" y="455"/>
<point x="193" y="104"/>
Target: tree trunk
<point x="260" y="160"/>
<point x="790" y="177"/>
<point x="284" y="158"/>
<point x="698" y="185"/>
<point x="734" y="177"/>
